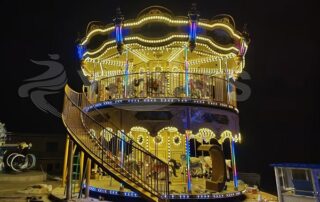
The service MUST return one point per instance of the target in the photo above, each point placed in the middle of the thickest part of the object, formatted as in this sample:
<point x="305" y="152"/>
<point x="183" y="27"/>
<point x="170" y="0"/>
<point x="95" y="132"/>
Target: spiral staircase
<point x="116" y="153"/>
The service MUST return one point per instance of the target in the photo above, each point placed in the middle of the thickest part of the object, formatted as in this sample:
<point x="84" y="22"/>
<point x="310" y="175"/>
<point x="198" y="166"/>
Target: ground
<point x="20" y="190"/>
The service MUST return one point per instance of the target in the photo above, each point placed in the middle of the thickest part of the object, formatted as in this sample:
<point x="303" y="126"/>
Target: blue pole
<point x="126" y="72"/>
<point x="234" y="166"/>
<point x="186" y="71"/>
<point x="188" y="159"/>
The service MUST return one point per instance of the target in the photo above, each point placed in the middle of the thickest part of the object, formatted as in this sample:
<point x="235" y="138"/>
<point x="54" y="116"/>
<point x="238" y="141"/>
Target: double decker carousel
<point x="167" y="82"/>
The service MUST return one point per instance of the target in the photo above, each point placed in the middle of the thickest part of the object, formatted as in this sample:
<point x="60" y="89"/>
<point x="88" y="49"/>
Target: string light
<point x="170" y="196"/>
<point x="159" y="140"/>
<point x="227" y="134"/>
<point x="99" y="49"/>
<point x="157" y="18"/>
<point x="176" y="137"/>
<point x="204" y="134"/>
<point x="107" y="134"/>
<point x="217" y="46"/>
<point x="215" y="24"/>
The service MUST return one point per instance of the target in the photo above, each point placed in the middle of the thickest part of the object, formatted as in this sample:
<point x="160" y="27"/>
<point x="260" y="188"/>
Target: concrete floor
<point x="17" y="191"/>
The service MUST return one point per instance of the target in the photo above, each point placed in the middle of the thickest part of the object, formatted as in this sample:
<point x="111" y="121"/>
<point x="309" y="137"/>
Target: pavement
<point x="35" y="191"/>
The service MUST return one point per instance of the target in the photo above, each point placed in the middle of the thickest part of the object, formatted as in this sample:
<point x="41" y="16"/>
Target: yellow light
<point x="211" y="26"/>
<point x="169" y="21"/>
<point x="179" y="140"/>
<point x="140" y="139"/>
<point x="102" y="47"/>
<point x="175" y="54"/>
<point x="160" y="139"/>
<point x="153" y="18"/>
<point x="227" y="134"/>
<point x="168" y="46"/>
<point x="139" y="129"/>
<point x="109" y="48"/>
<point x="108" y="29"/>
<point x="170" y="129"/>
<point x="107" y="134"/>
<point x="215" y="45"/>
<point x="204" y="134"/>
<point x="180" y="44"/>
<point x="153" y="41"/>
<point x="139" y="55"/>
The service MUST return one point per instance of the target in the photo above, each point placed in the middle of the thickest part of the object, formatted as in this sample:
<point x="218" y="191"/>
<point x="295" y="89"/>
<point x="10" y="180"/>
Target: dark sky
<point x="280" y="120"/>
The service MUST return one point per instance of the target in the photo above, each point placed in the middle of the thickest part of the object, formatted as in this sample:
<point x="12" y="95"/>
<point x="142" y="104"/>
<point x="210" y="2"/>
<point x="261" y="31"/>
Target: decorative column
<point x="188" y="133"/>
<point x="70" y="166"/>
<point x="65" y="162"/>
<point x="193" y="15"/>
<point x="122" y="137"/>
<point x="186" y="71"/>
<point x="227" y="79"/>
<point x="122" y="147"/>
<point x="118" y="24"/>
<point x="234" y="166"/>
<point x="88" y="176"/>
<point x="81" y="166"/>
<point x="126" y="75"/>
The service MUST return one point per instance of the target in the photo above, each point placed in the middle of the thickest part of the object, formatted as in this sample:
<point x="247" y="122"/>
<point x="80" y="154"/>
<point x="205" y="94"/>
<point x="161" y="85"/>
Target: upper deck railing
<point x="167" y="85"/>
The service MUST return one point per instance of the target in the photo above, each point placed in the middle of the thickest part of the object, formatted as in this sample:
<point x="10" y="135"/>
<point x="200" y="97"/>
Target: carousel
<point x="159" y="117"/>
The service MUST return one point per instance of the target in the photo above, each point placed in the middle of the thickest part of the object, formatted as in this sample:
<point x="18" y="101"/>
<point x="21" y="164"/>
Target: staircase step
<point x="74" y="120"/>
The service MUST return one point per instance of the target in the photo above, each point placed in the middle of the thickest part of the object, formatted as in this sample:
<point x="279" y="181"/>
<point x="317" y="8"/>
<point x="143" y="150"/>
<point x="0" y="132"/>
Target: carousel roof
<point x="158" y="38"/>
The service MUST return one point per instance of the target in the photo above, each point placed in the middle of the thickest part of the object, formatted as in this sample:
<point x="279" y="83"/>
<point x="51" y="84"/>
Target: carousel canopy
<point x="158" y="41"/>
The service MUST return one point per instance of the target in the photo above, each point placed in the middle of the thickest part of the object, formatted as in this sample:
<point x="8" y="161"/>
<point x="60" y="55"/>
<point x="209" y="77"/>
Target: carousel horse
<point x="111" y="90"/>
<point x="153" y="85"/>
<point x="135" y="165"/>
<point x="173" y="167"/>
<point x="200" y="88"/>
<point x="179" y="91"/>
<point x="195" y="92"/>
<point x="196" y="165"/>
<point x="135" y="89"/>
<point x="207" y="164"/>
<point x="114" y="90"/>
<point x="159" y="170"/>
<point x="137" y="82"/>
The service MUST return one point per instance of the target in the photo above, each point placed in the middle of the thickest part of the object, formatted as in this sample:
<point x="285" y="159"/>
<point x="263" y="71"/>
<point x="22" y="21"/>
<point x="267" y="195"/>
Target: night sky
<point x="280" y="120"/>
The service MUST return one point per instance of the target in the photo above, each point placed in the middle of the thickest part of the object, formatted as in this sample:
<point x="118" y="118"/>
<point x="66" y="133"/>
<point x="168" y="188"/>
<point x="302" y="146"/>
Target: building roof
<point x="296" y="165"/>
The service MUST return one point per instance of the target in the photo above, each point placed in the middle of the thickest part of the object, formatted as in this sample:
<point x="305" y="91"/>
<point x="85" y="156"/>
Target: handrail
<point x="167" y="72"/>
<point x="85" y="102"/>
<point x="116" y="152"/>
<point x="166" y="85"/>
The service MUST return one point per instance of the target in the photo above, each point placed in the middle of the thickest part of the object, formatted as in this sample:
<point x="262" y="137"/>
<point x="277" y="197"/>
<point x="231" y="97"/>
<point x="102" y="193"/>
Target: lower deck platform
<point x="108" y="189"/>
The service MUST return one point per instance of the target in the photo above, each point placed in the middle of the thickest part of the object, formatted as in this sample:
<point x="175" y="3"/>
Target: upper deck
<point x="159" y="55"/>
<point x="166" y="87"/>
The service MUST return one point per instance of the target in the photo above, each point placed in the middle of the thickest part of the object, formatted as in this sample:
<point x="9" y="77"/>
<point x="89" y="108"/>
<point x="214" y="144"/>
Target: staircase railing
<point x="167" y="85"/>
<point x="116" y="152"/>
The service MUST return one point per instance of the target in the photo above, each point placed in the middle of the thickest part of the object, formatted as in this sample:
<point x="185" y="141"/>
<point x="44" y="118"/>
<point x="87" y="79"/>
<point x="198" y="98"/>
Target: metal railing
<point x="116" y="152"/>
<point x="167" y="85"/>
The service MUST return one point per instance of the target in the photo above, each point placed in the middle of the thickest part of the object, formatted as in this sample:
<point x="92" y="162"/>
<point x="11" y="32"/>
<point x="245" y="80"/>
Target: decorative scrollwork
<point x="158" y="139"/>
<point x="140" y="139"/>
<point x="176" y="140"/>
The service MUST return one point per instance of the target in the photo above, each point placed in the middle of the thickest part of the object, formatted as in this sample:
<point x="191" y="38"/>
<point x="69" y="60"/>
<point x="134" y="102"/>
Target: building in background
<point x="48" y="149"/>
